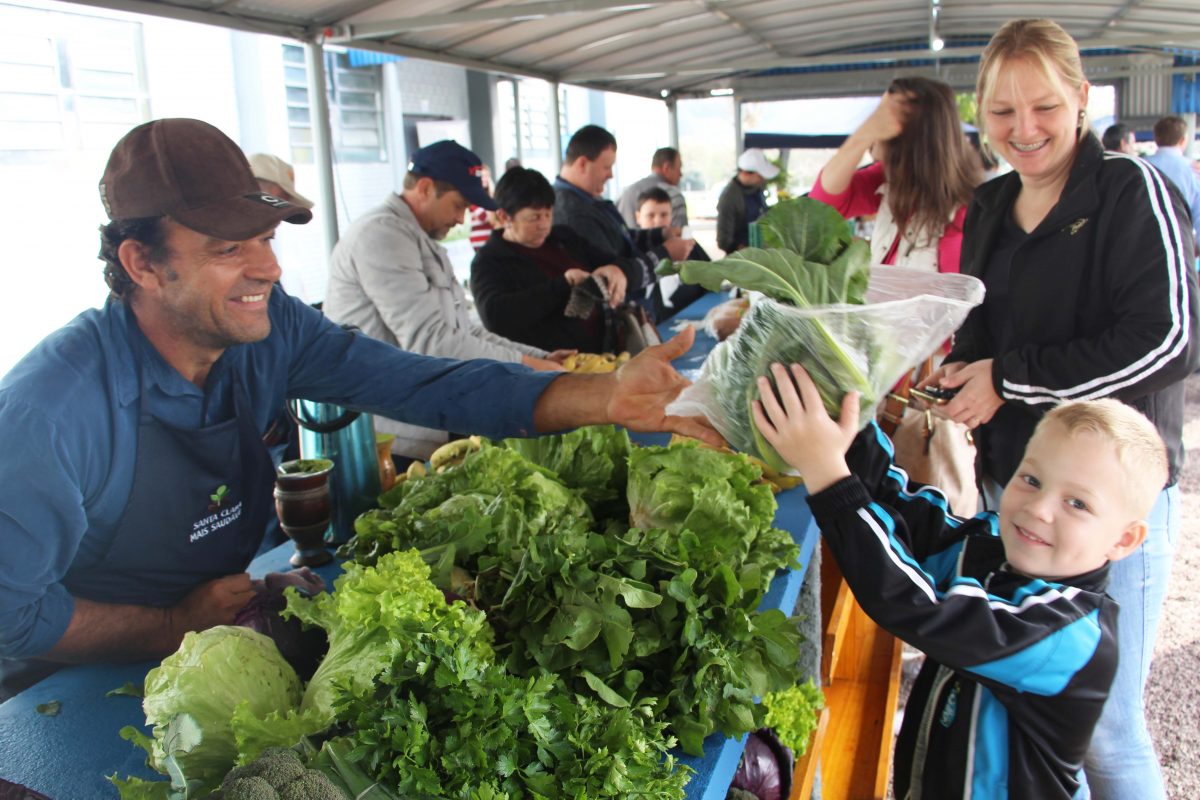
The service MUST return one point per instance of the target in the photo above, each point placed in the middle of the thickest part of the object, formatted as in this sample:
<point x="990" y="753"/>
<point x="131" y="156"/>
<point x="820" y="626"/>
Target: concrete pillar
<point x="673" y="122"/>
<point x="516" y="83"/>
<point x="556" y="132"/>
<point x="318" y="104"/>
<point x="481" y="104"/>
<point x="738" y="146"/>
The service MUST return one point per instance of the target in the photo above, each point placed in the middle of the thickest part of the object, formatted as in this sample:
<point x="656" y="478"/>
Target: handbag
<point x="635" y="331"/>
<point x="932" y="450"/>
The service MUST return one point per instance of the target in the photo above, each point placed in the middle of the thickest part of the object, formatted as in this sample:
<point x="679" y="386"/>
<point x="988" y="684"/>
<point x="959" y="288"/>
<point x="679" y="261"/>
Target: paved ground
<point x="1173" y="693"/>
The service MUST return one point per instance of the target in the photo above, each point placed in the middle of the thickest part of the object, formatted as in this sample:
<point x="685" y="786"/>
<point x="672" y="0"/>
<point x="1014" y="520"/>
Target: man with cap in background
<point x="391" y="279"/>
<point x="136" y="485"/>
<point x="277" y="178"/>
<point x="743" y="200"/>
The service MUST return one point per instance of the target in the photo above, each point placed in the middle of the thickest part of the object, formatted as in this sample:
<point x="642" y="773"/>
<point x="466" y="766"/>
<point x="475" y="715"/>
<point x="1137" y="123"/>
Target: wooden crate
<point x="860" y="670"/>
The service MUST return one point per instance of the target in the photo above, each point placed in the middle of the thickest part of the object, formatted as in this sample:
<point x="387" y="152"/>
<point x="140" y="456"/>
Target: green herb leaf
<point x="128" y="689"/>
<point x="49" y="709"/>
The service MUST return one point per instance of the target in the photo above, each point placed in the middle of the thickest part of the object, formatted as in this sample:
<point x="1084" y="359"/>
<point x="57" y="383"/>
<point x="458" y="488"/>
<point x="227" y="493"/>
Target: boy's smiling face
<point x="1067" y="510"/>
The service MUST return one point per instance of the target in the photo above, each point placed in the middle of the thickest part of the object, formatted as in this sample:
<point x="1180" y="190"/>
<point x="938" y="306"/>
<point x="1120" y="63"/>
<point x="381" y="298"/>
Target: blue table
<point x="68" y="756"/>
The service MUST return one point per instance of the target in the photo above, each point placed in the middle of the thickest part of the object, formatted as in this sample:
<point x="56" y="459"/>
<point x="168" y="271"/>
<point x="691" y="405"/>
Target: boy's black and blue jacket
<point x="1017" y="668"/>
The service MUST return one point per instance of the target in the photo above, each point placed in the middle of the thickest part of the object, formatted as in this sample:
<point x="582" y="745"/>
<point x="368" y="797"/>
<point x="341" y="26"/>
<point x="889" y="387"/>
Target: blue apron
<point x="200" y="502"/>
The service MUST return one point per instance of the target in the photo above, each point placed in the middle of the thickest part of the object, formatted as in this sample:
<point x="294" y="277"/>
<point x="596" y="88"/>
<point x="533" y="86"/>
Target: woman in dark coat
<point x="523" y="276"/>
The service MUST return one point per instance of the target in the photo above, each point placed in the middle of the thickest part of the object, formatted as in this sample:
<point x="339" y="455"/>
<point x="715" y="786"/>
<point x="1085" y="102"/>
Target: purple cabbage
<point x="766" y="767"/>
<point x="301" y="648"/>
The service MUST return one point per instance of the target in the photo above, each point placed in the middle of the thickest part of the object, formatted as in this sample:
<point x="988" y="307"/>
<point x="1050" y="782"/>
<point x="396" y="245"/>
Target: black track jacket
<point x="1102" y="302"/>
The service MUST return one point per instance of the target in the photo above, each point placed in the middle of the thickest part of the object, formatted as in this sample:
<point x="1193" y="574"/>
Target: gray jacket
<point x="392" y="281"/>
<point x="627" y="203"/>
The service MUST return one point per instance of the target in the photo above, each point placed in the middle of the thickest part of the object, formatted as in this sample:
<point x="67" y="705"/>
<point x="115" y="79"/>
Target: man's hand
<point x="559" y="356"/>
<point x="646" y="385"/>
<point x="801" y="431"/>
<point x="216" y="602"/>
<point x="977" y="401"/>
<point x="542" y="364"/>
<point x="616" y="281"/>
<point x="678" y="249"/>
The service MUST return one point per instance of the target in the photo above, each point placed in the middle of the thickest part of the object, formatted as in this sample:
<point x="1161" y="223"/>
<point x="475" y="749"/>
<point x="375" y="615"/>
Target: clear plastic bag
<point x="864" y="348"/>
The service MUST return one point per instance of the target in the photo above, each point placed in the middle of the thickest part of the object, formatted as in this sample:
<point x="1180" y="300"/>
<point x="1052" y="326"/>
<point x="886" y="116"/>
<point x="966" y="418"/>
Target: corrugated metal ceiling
<point x="690" y="47"/>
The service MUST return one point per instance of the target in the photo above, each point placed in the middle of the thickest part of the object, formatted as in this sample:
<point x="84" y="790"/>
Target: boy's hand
<point x="798" y="427"/>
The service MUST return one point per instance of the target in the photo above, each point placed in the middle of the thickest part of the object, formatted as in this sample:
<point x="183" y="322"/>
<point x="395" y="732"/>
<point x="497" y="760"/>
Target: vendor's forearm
<point x="572" y="401"/>
<point x="110" y="632"/>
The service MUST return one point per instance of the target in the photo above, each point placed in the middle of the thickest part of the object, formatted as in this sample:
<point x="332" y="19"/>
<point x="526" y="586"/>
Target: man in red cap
<point x="122" y="430"/>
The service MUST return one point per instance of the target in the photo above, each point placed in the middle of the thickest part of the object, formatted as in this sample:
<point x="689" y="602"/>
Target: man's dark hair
<point x="664" y="157"/>
<point x="589" y="142"/>
<point x="523" y="188"/>
<point x="439" y="187"/>
<point x="1168" y="131"/>
<point x="1115" y="135"/>
<point x="149" y="231"/>
<point x="655" y="194"/>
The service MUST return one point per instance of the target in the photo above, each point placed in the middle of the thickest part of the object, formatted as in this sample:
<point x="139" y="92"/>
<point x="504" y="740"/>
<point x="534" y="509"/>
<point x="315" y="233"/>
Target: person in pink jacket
<point x="922" y="179"/>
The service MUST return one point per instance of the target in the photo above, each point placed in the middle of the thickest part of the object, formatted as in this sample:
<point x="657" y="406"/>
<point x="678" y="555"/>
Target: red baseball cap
<point x="190" y="171"/>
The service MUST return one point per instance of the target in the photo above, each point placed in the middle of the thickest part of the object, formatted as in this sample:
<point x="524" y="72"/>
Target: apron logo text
<point x="214" y="522"/>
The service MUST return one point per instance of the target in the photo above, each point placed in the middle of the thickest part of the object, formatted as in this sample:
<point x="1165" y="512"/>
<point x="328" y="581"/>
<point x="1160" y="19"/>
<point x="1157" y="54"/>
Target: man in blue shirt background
<point x="1170" y="134"/>
<point x="119" y="429"/>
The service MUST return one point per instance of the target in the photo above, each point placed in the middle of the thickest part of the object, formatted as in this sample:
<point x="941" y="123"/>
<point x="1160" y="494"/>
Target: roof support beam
<point x="1120" y="14"/>
<point x="153" y="8"/>
<point x="756" y="63"/>
<point x="522" y="12"/>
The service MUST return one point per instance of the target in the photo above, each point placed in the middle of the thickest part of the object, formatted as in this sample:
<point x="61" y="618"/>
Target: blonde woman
<point x="1089" y="294"/>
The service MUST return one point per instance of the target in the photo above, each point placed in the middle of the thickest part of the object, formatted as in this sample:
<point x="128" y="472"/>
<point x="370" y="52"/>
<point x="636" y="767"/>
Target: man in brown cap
<point x="130" y="430"/>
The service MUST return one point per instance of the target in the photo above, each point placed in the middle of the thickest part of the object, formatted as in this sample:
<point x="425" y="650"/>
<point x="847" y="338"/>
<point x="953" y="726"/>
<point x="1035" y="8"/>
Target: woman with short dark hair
<point x="522" y="278"/>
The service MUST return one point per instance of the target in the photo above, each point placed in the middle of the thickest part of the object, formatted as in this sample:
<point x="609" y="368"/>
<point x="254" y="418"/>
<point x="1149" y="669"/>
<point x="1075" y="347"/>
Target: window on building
<point x="69" y="81"/>
<point x="355" y="108"/>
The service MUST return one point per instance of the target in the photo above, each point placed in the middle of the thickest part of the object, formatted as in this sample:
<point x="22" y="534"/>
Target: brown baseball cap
<point x="190" y="171"/>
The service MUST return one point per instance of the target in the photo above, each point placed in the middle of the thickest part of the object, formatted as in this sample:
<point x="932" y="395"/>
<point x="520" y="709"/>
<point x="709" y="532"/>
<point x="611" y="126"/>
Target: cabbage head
<point x="192" y="698"/>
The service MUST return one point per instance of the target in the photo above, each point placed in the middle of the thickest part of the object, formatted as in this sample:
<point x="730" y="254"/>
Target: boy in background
<point x="654" y="211"/>
<point x="1009" y="608"/>
<point x="653" y="208"/>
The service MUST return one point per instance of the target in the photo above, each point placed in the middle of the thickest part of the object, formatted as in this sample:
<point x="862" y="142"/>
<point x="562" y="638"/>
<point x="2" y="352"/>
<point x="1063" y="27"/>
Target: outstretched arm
<point x="635" y="396"/>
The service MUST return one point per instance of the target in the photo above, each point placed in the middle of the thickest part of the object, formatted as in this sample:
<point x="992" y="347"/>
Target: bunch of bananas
<point x="594" y="362"/>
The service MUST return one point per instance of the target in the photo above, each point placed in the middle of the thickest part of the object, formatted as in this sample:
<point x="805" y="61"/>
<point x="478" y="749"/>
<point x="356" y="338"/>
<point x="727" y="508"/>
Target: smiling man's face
<point x="210" y="293"/>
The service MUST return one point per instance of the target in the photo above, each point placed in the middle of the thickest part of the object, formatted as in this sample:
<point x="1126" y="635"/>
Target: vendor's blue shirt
<point x="69" y="414"/>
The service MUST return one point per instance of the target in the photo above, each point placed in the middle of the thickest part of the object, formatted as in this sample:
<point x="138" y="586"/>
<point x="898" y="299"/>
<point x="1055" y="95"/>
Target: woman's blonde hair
<point x="1040" y="42"/>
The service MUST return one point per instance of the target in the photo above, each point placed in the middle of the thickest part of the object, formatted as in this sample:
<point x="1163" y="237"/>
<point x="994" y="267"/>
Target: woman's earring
<point x="1081" y="114"/>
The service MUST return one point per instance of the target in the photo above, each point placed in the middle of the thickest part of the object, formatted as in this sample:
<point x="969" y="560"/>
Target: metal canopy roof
<point x="681" y="48"/>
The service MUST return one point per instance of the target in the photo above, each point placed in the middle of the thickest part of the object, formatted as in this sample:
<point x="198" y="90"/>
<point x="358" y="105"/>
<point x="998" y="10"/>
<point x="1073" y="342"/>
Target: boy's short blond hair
<point x="1140" y="450"/>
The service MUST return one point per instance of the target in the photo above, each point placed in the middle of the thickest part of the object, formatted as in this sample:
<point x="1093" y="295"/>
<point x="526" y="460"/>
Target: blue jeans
<point x="1121" y="763"/>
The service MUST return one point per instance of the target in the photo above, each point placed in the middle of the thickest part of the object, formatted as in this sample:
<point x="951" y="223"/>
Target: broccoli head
<point x="252" y="788"/>
<point x="279" y="766"/>
<point x="312" y="785"/>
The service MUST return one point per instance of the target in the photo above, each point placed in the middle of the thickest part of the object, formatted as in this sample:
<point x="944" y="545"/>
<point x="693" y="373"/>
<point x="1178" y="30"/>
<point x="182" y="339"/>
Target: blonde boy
<point x="1009" y="608"/>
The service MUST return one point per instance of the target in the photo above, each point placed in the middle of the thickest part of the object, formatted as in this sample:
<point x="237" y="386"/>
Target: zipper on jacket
<point x="928" y="716"/>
